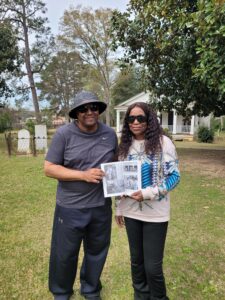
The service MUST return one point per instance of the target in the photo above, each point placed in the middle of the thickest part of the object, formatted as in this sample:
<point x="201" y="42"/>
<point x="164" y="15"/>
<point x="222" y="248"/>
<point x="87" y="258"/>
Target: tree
<point x="87" y="31"/>
<point x="5" y="121"/>
<point x="209" y="21"/>
<point x="25" y="15"/>
<point x="164" y="37"/>
<point x="61" y="80"/>
<point x="9" y="56"/>
<point x="127" y="84"/>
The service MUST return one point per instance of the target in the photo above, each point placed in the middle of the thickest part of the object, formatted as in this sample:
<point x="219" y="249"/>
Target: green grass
<point x="218" y="144"/>
<point x="194" y="261"/>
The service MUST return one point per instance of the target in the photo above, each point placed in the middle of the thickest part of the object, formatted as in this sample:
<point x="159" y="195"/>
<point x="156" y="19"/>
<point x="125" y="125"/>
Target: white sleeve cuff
<point x="117" y="209"/>
<point x="150" y="193"/>
<point x="118" y="212"/>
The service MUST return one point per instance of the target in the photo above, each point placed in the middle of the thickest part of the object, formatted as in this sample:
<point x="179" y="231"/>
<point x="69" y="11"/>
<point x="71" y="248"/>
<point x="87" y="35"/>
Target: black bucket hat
<point x="85" y="97"/>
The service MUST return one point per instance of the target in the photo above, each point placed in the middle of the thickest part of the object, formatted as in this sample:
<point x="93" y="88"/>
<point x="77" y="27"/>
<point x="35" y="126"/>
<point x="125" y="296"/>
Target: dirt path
<point x="205" y="162"/>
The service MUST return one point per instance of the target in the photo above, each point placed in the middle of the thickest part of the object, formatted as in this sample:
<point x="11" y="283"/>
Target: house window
<point x="170" y="117"/>
<point x="186" y="121"/>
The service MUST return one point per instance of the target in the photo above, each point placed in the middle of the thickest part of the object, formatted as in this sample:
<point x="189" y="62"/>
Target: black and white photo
<point x="121" y="178"/>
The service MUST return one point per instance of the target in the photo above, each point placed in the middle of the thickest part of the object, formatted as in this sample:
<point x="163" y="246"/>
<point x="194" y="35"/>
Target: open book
<point x="121" y="178"/>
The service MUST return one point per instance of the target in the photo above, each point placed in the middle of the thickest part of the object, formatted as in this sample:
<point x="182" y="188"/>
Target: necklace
<point x="139" y="148"/>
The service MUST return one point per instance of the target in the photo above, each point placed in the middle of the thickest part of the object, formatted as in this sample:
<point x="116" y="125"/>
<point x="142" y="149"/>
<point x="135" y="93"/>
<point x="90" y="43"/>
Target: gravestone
<point x="41" y="137"/>
<point x="23" y="141"/>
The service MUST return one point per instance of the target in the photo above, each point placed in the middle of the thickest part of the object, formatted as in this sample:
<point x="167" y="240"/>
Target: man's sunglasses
<point x="139" y="118"/>
<point x="84" y="108"/>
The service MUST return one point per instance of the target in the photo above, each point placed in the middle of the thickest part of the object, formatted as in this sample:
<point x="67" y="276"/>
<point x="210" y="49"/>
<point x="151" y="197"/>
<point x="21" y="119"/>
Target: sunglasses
<point x="84" y="108"/>
<point x="139" y="118"/>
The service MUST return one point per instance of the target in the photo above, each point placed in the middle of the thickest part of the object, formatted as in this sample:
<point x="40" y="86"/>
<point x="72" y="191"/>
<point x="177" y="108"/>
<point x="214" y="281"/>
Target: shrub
<point x="215" y="124"/>
<point x="5" y="122"/>
<point x="218" y="124"/>
<point x="166" y="132"/>
<point x="30" y="126"/>
<point x="205" y="135"/>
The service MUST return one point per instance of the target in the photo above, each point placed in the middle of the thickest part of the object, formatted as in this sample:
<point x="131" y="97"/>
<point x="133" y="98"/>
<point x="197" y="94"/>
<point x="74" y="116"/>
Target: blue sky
<point x="56" y="8"/>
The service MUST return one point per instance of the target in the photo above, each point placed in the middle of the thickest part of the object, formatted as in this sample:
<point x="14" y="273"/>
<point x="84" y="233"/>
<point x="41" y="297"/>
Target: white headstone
<point x="41" y="137"/>
<point x="23" y="140"/>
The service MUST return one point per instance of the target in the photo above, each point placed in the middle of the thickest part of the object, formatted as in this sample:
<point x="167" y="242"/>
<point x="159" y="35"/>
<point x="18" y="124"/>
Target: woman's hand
<point x="119" y="221"/>
<point x="138" y="196"/>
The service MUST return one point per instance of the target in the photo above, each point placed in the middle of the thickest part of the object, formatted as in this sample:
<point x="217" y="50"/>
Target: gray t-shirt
<point x="75" y="149"/>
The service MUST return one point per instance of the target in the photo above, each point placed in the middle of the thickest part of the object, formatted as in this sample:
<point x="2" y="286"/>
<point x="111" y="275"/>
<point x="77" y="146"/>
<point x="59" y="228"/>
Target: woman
<point x="146" y="212"/>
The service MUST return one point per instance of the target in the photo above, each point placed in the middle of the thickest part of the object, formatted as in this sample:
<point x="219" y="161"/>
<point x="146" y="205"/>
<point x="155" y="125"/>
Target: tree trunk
<point x="107" y="113"/>
<point x="107" y="101"/>
<point x="29" y="70"/>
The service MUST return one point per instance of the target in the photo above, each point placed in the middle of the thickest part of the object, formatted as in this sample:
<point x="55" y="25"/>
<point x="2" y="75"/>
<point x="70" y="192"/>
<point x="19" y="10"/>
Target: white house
<point x="177" y="124"/>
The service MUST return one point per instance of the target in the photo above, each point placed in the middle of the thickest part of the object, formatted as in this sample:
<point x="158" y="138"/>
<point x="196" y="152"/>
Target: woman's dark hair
<point x="153" y="131"/>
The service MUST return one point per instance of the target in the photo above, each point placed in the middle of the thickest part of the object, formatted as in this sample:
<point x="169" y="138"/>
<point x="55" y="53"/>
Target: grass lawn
<point x="218" y="144"/>
<point x="194" y="261"/>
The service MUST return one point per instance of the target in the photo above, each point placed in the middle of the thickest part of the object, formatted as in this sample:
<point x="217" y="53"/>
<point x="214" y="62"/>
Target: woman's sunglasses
<point x="84" y="108"/>
<point x="139" y="118"/>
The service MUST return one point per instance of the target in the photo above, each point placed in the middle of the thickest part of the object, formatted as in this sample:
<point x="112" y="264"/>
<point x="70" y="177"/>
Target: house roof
<point x="142" y="97"/>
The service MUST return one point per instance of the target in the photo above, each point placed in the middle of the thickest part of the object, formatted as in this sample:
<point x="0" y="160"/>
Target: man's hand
<point x="93" y="175"/>
<point x="137" y="196"/>
<point x="119" y="221"/>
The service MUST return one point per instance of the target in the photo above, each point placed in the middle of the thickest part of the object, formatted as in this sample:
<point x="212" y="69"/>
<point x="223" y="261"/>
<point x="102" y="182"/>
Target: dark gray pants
<point x="70" y="228"/>
<point x="146" y="242"/>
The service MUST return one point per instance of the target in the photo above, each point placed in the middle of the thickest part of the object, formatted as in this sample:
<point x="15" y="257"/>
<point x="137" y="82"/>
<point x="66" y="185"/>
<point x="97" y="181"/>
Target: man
<point x="82" y="213"/>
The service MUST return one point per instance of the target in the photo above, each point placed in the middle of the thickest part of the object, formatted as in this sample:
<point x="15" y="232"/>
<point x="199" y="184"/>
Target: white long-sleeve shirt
<point x="164" y="175"/>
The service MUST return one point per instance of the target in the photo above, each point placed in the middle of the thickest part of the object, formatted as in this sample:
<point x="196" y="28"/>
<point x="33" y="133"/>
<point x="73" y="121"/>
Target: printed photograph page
<point x="121" y="178"/>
